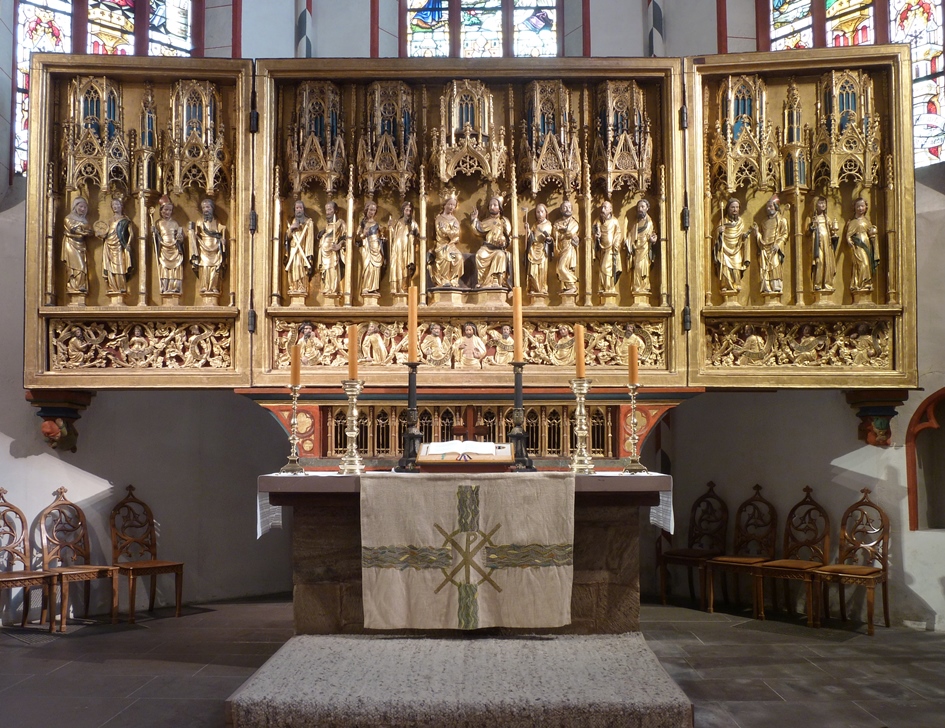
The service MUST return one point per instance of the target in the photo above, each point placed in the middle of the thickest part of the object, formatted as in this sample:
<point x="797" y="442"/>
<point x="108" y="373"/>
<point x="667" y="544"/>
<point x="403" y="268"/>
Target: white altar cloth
<point x="467" y="551"/>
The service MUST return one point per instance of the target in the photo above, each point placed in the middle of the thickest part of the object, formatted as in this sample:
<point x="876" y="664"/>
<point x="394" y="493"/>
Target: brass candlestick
<point x="351" y="463"/>
<point x="293" y="466"/>
<point x="634" y="466"/>
<point x="581" y="461"/>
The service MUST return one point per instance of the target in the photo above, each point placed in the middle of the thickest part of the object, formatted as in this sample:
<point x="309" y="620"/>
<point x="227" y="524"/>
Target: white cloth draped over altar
<point x="467" y="551"/>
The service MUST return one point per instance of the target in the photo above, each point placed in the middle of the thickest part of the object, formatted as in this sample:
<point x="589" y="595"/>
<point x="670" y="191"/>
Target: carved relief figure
<point x="771" y="241"/>
<point x="372" y="251"/>
<point x="539" y="241"/>
<point x="861" y="237"/>
<point x="608" y="239"/>
<point x="504" y="346"/>
<point x="469" y="350"/>
<point x="561" y="350"/>
<point x="373" y="348"/>
<point x="300" y="251"/>
<point x="446" y="266"/>
<point x="208" y="248"/>
<point x="641" y="239"/>
<point x="310" y="345"/>
<point x="492" y="258"/>
<point x="824" y="242"/>
<point x="74" y="249"/>
<point x="731" y="248"/>
<point x="331" y="253"/>
<point x="630" y="337"/>
<point x="403" y="250"/>
<point x="434" y="349"/>
<point x="169" y="248"/>
<point x="566" y="248"/>
<point x="116" y="257"/>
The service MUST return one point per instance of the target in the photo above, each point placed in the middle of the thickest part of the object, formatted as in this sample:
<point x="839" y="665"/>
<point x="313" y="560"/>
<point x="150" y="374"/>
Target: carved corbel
<point x="876" y="408"/>
<point x="59" y="409"/>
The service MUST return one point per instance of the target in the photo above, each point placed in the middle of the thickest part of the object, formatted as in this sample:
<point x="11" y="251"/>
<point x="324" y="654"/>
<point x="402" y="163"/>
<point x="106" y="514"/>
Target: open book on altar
<point x="465" y="451"/>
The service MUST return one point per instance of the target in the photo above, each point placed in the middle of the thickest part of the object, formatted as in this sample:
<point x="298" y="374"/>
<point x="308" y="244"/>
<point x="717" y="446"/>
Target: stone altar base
<point x="536" y="681"/>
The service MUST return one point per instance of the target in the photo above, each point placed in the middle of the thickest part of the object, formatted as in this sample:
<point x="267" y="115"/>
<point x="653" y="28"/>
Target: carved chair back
<point x="63" y="535"/>
<point x="132" y="527"/>
<point x="864" y="534"/>
<point x="756" y="527"/>
<point x="807" y="531"/>
<point x="14" y="536"/>
<point x="708" y="521"/>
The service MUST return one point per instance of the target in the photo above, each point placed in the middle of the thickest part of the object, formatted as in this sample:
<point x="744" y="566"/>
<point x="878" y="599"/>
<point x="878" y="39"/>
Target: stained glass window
<point x="481" y="28"/>
<point x="47" y="26"/>
<point x="534" y="28"/>
<point x="112" y="27"/>
<point x="428" y="28"/>
<point x="43" y="27"/>
<point x="920" y="25"/>
<point x="791" y="24"/>
<point x="850" y="23"/>
<point x="169" y="31"/>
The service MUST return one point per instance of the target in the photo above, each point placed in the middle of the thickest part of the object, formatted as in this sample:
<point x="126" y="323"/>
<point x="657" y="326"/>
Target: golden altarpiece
<point x="745" y="220"/>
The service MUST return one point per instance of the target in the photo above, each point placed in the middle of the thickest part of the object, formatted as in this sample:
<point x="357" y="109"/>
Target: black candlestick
<point x="412" y="435"/>
<point x="517" y="433"/>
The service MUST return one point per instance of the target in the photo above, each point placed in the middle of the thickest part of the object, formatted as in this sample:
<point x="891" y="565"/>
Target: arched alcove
<point x="925" y="465"/>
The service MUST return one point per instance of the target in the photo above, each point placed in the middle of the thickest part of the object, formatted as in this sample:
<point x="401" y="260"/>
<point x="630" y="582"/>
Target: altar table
<point x="326" y="550"/>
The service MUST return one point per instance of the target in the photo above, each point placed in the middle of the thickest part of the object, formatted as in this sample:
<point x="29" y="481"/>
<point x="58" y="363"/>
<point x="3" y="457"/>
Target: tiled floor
<point x="738" y="672"/>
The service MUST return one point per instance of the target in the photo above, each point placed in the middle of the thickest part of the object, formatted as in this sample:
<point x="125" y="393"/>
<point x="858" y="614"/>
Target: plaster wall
<point x="343" y="30"/>
<point x="268" y="29"/>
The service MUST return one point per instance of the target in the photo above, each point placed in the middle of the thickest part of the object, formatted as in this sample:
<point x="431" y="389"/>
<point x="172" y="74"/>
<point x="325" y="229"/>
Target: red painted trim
<point x="455" y="13"/>
<point x="13" y="76"/>
<point x="198" y="28"/>
<point x="881" y="19"/>
<point x="142" y="27"/>
<point x="375" y="22"/>
<point x="818" y="14"/>
<point x="559" y="9"/>
<point x="402" y="28"/>
<point x="586" y="27"/>
<point x="237" y="50"/>
<point x="508" y="45"/>
<point x="80" y="26"/>
<point x="763" y="25"/>
<point x="721" y="25"/>
<point x="922" y="419"/>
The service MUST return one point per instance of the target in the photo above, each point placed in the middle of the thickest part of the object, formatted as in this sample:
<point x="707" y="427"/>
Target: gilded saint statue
<point x="373" y="348"/>
<point x="492" y="258"/>
<point x="469" y="350"/>
<point x="539" y="240"/>
<point x="446" y="259"/>
<point x="561" y="350"/>
<point x="208" y="249"/>
<point x="310" y="345"/>
<point x="608" y="239"/>
<point x="825" y="238"/>
<point x="404" y="233"/>
<point x="116" y="256"/>
<point x="169" y="249"/>
<point x="299" y="247"/>
<point x="566" y="243"/>
<point x="861" y="237"/>
<point x="74" y="249"/>
<point x="504" y="346"/>
<point x="772" y="238"/>
<point x="331" y="251"/>
<point x="641" y="242"/>
<point x="730" y="250"/>
<point x="372" y="251"/>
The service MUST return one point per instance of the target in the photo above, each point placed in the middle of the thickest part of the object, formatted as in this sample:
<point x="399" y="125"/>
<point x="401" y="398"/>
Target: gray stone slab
<point x="587" y="681"/>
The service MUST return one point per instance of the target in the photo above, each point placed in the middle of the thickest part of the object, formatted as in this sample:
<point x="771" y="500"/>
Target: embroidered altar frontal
<point x="467" y="551"/>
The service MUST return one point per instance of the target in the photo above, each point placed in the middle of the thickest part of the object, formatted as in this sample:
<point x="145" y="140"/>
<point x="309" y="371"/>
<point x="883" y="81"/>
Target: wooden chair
<point x="708" y="523"/>
<point x="806" y="548"/>
<point x="66" y="553"/>
<point x="863" y="558"/>
<point x="134" y="550"/>
<point x="756" y="529"/>
<point x="15" y="548"/>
